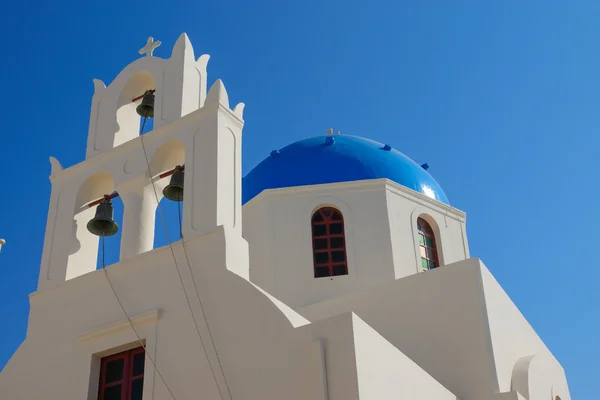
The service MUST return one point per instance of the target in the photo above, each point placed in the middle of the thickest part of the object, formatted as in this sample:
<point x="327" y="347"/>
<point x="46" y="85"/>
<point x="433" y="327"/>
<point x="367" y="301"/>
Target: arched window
<point x="427" y="246"/>
<point x="329" y="243"/>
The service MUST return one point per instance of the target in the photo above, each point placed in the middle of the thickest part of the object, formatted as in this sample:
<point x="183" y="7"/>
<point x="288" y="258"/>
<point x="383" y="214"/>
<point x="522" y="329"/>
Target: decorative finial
<point x="331" y="132"/>
<point x="55" y="166"/>
<point x="150" y="46"/>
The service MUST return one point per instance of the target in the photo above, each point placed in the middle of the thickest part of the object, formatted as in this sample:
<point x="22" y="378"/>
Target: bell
<point x="146" y="107"/>
<point x="103" y="224"/>
<point x="174" y="190"/>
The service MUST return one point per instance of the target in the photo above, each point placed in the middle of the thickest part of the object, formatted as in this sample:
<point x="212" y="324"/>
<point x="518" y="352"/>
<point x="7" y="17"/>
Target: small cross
<point x="150" y="46"/>
<point x="331" y="132"/>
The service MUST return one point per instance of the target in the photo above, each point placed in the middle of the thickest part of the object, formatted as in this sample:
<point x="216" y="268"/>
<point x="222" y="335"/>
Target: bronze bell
<point x="103" y="224"/>
<point x="146" y="107"/>
<point x="174" y="190"/>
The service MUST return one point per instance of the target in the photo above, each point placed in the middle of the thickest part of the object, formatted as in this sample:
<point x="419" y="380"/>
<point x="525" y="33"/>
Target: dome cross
<point x="331" y="132"/>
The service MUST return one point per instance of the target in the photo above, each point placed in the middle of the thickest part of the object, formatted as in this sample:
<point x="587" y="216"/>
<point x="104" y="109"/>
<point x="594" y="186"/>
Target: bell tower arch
<point x="179" y="84"/>
<point x="195" y="142"/>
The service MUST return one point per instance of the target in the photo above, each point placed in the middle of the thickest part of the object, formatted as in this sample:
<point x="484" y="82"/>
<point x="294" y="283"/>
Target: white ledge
<point x="137" y="321"/>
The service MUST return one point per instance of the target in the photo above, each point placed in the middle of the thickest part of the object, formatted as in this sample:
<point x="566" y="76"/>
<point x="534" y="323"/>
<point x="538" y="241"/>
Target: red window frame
<point x="127" y="376"/>
<point x="427" y="246"/>
<point x="329" y="243"/>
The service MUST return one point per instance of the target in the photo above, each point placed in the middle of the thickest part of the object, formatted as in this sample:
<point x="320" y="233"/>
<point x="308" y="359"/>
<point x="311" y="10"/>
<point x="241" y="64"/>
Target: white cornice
<point x="362" y="185"/>
<point x="304" y="190"/>
<point x="110" y="329"/>
<point x="410" y="194"/>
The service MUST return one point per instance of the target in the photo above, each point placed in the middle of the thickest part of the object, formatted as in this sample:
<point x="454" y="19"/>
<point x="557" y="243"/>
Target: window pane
<point x="319" y="230"/>
<point x="336" y="216"/>
<point x="337" y="243"/>
<point x="421" y="239"/>
<point x="429" y="241"/>
<point x="320" y="244"/>
<point x="138" y="364"/>
<point x="423" y="252"/>
<point x="326" y="212"/>
<point x="317" y="217"/>
<point x="432" y="265"/>
<point x="430" y="254"/>
<point x="321" y="272"/>
<point x="137" y="387"/>
<point x="322" y="258"/>
<point x="335" y="229"/>
<point x="114" y="370"/>
<point x="340" y="269"/>
<point x="338" y="256"/>
<point x="112" y="393"/>
<point x="424" y="263"/>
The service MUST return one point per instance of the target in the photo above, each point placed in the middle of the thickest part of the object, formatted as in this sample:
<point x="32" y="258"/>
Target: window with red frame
<point x="122" y="376"/>
<point x="329" y="243"/>
<point x="427" y="246"/>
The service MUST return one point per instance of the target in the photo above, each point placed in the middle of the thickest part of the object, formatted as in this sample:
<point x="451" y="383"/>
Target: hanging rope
<point x="139" y="338"/>
<point x="180" y="223"/>
<point x="140" y="341"/>
<point x="170" y="244"/>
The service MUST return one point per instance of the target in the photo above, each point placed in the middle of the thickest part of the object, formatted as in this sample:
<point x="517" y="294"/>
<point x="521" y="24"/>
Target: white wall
<point x="380" y="220"/>
<point x="513" y="340"/>
<point x="385" y="373"/>
<point x="266" y="350"/>
<point x="440" y="320"/>
<point x="73" y="325"/>
<point x="277" y="225"/>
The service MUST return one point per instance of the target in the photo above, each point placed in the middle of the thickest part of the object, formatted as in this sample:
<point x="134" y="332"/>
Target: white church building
<point x="334" y="270"/>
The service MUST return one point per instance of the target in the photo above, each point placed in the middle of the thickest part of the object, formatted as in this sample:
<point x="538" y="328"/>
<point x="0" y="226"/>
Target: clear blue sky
<point x="500" y="98"/>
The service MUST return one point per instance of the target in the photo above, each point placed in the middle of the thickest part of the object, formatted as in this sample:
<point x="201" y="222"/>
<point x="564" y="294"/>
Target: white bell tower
<point x="191" y="128"/>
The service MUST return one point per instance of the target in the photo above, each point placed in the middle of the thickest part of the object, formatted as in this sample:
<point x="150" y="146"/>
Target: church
<point x="336" y="269"/>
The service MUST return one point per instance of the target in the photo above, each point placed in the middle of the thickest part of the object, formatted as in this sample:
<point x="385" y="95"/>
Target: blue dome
<point x="337" y="158"/>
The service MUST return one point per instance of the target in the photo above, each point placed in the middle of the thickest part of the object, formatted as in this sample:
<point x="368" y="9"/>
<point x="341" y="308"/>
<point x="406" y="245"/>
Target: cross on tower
<point x="331" y="132"/>
<point x="150" y="46"/>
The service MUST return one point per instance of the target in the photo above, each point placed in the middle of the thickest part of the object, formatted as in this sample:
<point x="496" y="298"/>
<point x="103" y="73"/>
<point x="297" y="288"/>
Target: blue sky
<point x="500" y="98"/>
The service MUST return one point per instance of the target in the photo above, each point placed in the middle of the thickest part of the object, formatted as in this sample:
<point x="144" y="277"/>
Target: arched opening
<point x="169" y="230"/>
<point x="168" y="213"/>
<point x="84" y="253"/>
<point x="329" y="243"/>
<point x="128" y="120"/>
<point x="167" y="156"/>
<point x="428" y="249"/>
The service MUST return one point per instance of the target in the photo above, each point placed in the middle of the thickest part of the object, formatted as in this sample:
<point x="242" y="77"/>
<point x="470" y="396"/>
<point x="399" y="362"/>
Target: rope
<point x="140" y="341"/>
<point x="179" y="214"/>
<point x="204" y="316"/>
<point x="170" y="244"/>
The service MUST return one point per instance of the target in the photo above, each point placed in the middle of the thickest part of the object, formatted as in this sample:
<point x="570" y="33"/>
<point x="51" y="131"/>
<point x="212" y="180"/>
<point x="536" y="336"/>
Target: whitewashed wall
<point x="380" y="220"/>
<point x="460" y="327"/>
